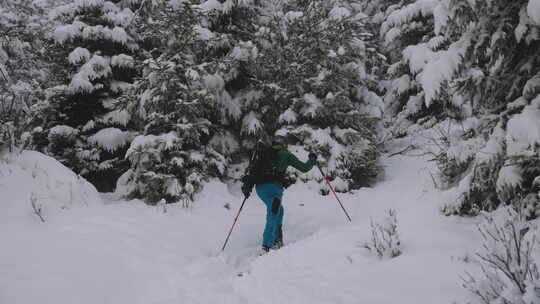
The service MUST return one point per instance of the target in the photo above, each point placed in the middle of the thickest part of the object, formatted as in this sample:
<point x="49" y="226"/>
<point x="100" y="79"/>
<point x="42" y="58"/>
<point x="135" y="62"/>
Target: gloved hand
<point x="246" y="189"/>
<point x="312" y="156"/>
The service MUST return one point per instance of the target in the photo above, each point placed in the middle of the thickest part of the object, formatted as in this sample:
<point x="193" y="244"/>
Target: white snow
<point x="164" y="141"/>
<point x="122" y="61"/>
<point x="509" y="176"/>
<point x="402" y="84"/>
<point x="440" y="16"/>
<point x="63" y="130"/>
<point x="339" y="13"/>
<point x="210" y="5"/>
<point x="66" y="32"/>
<point x="118" y="34"/>
<point x="522" y="27"/>
<point x="80" y="83"/>
<point x="406" y="14"/>
<point x="225" y="143"/>
<point x="110" y="139"/>
<point x="251" y="124"/>
<point x="127" y="252"/>
<point x="533" y="9"/>
<point x="391" y="35"/>
<point x="523" y="130"/>
<point x="173" y="187"/>
<point x="79" y="55"/>
<point x="373" y="104"/>
<point x="418" y="56"/>
<point x="213" y="82"/>
<point x="443" y="68"/>
<point x="54" y="188"/>
<point x="312" y="103"/>
<point x="120" y="86"/>
<point x="494" y="146"/>
<point x="121" y="117"/>
<point x="532" y="86"/>
<point x="465" y="149"/>
<point x="293" y="15"/>
<point x="243" y="51"/>
<point x="94" y="68"/>
<point x="289" y="116"/>
<point x="204" y="33"/>
<point x="89" y="3"/>
<point x="121" y="18"/>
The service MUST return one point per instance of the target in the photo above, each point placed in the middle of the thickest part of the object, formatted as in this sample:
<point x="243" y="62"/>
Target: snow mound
<point x="33" y="176"/>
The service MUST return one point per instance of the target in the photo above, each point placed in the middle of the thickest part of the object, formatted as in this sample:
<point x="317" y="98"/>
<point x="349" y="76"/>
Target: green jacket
<point x="287" y="159"/>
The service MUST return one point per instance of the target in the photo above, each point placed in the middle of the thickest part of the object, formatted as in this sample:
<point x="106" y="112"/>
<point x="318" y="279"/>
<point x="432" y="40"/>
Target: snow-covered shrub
<point x="509" y="270"/>
<point x="162" y="169"/>
<point x="385" y="241"/>
<point x="360" y="167"/>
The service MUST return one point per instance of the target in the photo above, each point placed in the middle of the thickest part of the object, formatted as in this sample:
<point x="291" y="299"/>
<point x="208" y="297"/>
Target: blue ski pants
<point x="271" y="195"/>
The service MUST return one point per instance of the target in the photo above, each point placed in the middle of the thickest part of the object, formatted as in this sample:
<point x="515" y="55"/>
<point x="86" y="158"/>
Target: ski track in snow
<point x="127" y="252"/>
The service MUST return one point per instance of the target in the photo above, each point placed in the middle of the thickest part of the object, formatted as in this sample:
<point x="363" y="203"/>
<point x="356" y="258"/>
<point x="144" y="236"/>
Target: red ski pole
<point x="234" y="223"/>
<point x="327" y="180"/>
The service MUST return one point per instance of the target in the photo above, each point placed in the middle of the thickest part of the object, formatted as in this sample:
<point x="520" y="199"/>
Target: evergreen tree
<point x="494" y="74"/>
<point x="177" y="102"/>
<point x="468" y="75"/>
<point x="22" y="69"/>
<point x="92" y="51"/>
<point x="411" y="31"/>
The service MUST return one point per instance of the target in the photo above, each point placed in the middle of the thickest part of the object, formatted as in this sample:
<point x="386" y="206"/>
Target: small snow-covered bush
<point x="360" y="167"/>
<point x="385" y="241"/>
<point x="509" y="272"/>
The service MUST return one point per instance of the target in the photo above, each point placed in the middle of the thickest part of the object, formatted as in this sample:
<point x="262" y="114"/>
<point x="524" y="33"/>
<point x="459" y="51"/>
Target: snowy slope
<point x="127" y="252"/>
<point x="35" y="176"/>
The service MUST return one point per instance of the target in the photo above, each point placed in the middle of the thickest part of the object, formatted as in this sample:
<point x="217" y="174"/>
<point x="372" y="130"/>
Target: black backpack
<point x="263" y="165"/>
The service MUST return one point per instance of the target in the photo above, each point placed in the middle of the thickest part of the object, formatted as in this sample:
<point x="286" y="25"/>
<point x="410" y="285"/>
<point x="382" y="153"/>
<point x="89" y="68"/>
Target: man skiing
<point x="268" y="177"/>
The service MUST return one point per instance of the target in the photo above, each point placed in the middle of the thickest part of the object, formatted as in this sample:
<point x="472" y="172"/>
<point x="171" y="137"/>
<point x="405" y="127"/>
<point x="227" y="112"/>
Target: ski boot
<point x="264" y="250"/>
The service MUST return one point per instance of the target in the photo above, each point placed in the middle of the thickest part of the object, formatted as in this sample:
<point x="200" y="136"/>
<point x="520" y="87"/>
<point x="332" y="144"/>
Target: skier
<point x="269" y="180"/>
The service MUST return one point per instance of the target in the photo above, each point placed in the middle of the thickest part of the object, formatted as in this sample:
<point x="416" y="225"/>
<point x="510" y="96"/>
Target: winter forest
<point x="126" y="127"/>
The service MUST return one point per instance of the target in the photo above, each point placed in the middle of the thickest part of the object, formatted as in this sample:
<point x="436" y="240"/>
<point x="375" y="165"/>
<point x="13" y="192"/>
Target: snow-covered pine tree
<point x="468" y="74"/>
<point x="229" y="25"/>
<point x="176" y="102"/>
<point x="92" y="51"/>
<point x="411" y="31"/>
<point x="21" y="67"/>
<point x="498" y="45"/>
<point x="310" y="69"/>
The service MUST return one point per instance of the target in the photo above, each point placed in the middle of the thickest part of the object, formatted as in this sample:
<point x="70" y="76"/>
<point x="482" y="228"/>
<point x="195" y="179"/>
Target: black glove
<point x="312" y="156"/>
<point x="246" y="189"/>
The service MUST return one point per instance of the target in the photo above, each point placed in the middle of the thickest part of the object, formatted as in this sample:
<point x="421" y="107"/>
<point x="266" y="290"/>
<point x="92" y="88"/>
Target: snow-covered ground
<point x="127" y="252"/>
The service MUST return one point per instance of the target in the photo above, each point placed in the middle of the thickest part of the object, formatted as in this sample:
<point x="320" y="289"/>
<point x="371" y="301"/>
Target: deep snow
<point x="127" y="252"/>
